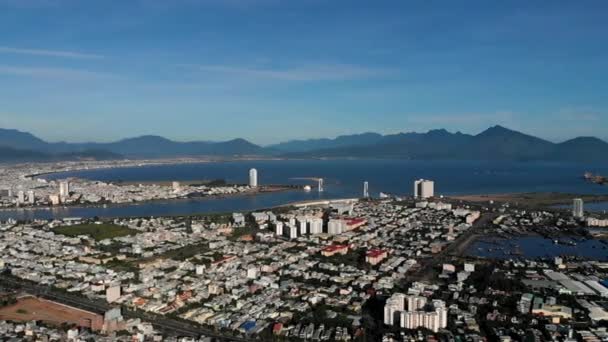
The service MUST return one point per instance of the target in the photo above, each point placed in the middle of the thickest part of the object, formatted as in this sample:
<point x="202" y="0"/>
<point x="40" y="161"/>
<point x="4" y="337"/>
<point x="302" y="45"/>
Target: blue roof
<point x="248" y="325"/>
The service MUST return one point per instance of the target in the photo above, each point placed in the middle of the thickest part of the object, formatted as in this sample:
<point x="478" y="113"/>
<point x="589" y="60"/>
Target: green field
<point x="185" y="252"/>
<point x="96" y="231"/>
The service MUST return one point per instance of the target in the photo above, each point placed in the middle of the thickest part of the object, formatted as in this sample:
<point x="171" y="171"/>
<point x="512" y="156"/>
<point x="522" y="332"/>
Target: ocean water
<point x="342" y="179"/>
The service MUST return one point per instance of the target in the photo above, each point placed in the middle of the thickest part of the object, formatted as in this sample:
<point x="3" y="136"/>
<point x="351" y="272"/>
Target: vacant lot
<point x="96" y="231"/>
<point x="532" y="198"/>
<point x="34" y="309"/>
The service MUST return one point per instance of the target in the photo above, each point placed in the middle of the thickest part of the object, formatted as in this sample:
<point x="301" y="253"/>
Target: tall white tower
<point x="577" y="208"/>
<point x="321" y="185"/>
<point x="64" y="189"/>
<point x="365" y="189"/>
<point x="253" y="178"/>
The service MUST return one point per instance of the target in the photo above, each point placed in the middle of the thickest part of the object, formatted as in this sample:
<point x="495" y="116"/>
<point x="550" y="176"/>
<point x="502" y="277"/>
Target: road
<point x="162" y="323"/>
<point x="426" y="270"/>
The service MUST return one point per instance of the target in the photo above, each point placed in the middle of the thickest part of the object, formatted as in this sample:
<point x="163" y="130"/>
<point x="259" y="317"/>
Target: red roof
<point x="334" y="248"/>
<point x="374" y="253"/>
<point x="354" y="221"/>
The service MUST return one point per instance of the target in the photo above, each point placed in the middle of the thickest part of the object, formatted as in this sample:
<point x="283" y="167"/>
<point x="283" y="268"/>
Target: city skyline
<point x="218" y="70"/>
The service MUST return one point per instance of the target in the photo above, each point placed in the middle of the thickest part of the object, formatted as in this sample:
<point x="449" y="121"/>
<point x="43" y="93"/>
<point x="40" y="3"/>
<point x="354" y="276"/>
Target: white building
<point x="293" y="232"/>
<point x="335" y="227"/>
<point x="278" y="228"/>
<point x="252" y="273"/>
<point x="424" y="188"/>
<point x="577" y="208"/>
<point x="595" y="222"/>
<point x="253" y="178"/>
<point x="200" y="269"/>
<point x="20" y="197"/>
<point x="55" y="199"/>
<point x="238" y="219"/>
<point x="316" y="225"/>
<point x="112" y="293"/>
<point x="303" y="224"/>
<point x="176" y="186"/>
<point x="415" y="316"/>
<point x="394" y="305"/>
<point x="30" y="197"/>
<point x="365" y="190"/>
<point x="64" y="189"/>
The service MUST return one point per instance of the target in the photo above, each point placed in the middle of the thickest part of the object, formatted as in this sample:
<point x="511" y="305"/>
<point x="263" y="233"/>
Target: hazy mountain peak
<point x="440" y="131"/>
<point x="586" y="140"/>
<point x="498" y="129"/>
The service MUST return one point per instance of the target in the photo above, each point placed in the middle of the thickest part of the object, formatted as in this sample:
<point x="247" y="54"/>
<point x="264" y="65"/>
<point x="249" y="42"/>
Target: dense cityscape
<point x="362" y="269"/>
<point x="304" y="170"/>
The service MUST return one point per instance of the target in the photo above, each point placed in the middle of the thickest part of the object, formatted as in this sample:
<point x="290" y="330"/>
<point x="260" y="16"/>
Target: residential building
<point x="577" y="208"/>
<point x="424" y="188"/>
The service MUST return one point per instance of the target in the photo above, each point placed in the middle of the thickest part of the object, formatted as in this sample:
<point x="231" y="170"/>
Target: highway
<point x="162" y="323"/>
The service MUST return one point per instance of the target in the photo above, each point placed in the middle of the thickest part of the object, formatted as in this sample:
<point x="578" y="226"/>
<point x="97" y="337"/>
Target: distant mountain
<point x="504" y="144"/>
<point x="10" y="154"/>
<point x="495" y="143"/>
<point x="147" y="146"/>
<point x="21" y="140"/>
<point x="156" y="146"/>
<point x="582" y="149"/>
<point x="316" y="144"/>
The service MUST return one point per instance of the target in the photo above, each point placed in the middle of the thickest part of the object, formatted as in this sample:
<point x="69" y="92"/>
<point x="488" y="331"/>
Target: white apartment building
<point x="415" y="316"/>
<point x="278" y="228"/>
<point x="424" y="188"/>
<point x="335" y="227"/>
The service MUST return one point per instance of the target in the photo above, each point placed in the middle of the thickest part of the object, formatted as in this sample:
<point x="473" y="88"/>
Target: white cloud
<point x="318" y="72"/>
<point x="49" y="53"/>
<point x="56" y="73"/>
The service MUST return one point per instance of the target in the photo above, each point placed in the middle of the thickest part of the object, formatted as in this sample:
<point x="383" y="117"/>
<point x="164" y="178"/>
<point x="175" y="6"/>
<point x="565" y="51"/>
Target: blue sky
<point x="272" y="70"/>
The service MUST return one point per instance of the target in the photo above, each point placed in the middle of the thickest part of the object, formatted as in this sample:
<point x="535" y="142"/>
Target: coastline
<point x="275" y="189"/>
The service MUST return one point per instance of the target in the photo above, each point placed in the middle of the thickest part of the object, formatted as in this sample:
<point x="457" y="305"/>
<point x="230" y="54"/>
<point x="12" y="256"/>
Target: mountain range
<point x="495" y="143"/>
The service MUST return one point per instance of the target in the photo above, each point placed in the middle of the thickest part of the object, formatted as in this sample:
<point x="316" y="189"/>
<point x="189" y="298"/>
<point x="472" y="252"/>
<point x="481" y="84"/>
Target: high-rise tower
<point x="253" y="178"/>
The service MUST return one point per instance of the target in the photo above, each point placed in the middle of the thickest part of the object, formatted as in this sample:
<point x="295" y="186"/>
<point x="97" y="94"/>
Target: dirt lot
<point x="531" y="199"/>
<point x="35" y="309"/>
